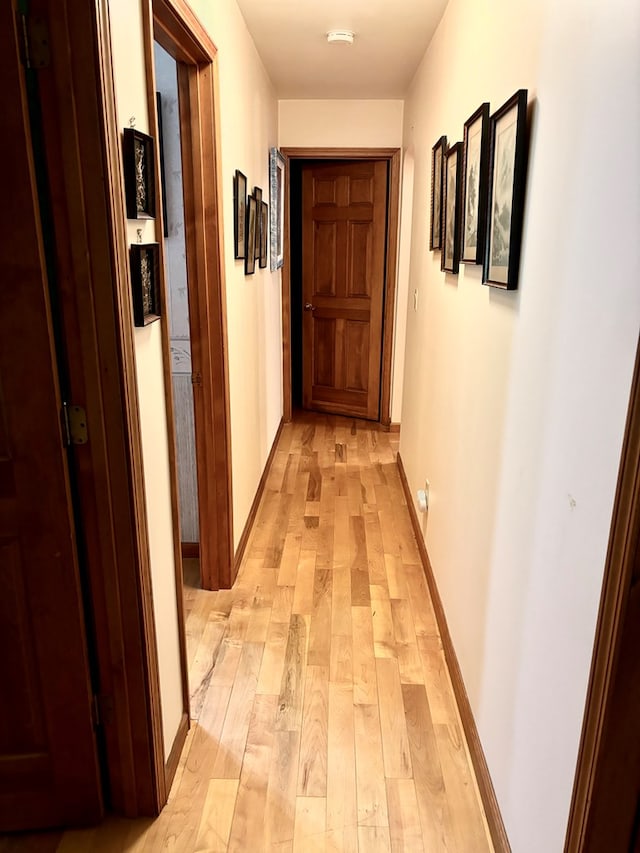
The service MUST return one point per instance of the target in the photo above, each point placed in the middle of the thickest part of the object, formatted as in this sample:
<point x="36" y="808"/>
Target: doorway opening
<point x="337" y="342"/>
<point x="177" y="303"/>
<point x="196" y="373"/>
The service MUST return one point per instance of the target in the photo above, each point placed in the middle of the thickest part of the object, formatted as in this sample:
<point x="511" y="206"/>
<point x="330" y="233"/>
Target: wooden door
<point x="605" y="810"/>
<point x="344" y="223"/>
<point x="49" y="772"/>
<point x="613" y="822"/>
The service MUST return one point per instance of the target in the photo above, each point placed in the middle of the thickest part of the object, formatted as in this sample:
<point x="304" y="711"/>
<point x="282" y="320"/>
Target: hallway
<point x="324" y="717"/>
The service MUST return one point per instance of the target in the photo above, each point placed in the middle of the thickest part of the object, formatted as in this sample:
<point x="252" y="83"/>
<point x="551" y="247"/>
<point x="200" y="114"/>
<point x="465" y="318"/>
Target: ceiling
<point x="391" y="38"/>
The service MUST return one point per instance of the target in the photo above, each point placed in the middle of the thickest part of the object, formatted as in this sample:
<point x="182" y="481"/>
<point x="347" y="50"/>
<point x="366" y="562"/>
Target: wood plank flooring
<point x="324" y="718"/>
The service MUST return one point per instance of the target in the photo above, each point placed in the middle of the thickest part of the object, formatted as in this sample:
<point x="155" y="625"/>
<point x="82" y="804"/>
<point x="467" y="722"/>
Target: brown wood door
<point x="614" y="818"/>
<point x="344" y="210"/>
<point x="49" y="772"/>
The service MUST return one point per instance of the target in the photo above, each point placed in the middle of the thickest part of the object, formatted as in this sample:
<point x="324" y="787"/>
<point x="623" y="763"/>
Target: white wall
<point x="344" y="123"/>
<point x="248" y="126"/>
<point x="131" y="102"/>
<point x="514" y="403"/>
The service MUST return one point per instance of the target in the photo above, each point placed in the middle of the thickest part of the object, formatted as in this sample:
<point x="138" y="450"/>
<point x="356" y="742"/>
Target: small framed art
<point x="257" y="194"/>
<point x="239" y="214"/>
<point x="452" y="202"/>
<point x="264" y="233"/>
<point x="276" y="200"/>
<point x="507" y="178"/>
<point x="138" y="161"/>
<point x="145" y="290"/>
<point x="475" y="185"/>
<point x="437" y="188"/>
<point x="250" y="230"/>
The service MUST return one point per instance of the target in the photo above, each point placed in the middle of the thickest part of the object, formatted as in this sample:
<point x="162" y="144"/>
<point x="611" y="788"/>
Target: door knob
<point x="309" y="307"/>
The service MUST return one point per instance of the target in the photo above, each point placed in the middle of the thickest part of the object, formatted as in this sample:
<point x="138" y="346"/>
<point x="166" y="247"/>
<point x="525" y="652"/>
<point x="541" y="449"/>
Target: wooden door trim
<point x="623" y="542"/>
<point x="80" y="126"/>
<point x="392" y="156"/>
<point x="171" y="761"/>
<point x="179" y="32"/>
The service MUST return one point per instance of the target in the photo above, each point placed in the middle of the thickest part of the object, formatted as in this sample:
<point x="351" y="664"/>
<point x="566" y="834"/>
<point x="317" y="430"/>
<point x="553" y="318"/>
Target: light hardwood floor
<point x="324" y="718"/>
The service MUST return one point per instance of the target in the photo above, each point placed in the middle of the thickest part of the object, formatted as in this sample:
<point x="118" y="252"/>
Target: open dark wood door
<point x="49" y="771"/>
<point x="343" y="272"/>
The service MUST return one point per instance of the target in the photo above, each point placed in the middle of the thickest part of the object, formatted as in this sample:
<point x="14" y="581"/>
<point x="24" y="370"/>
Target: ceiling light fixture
<point x="340" y="37"/>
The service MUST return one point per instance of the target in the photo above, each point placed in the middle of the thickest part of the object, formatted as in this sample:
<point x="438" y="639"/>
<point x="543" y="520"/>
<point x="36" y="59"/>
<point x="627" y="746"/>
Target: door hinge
<point x="36" y="52"/>
<point x="74" y="425"/>
<point x="196" y="379"/>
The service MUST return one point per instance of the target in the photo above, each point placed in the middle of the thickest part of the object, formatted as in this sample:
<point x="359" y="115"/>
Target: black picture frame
<point x="250" y="231"/>
<point x="264" y="234"/>
<point x="144" y="259"/>
<point x="138" y="159"/>
<point x="475" y="186"/>
<point x="452" y="210"/>
<point x="257" y="194"/>
<point x="438" y="153"/>
<point x="239" y="215"/>
<point x="507" y="179"/>
<point x="163" y="182"/>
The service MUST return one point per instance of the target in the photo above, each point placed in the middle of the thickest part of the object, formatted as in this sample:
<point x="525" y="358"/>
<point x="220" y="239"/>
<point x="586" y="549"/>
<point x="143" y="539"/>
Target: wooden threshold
<point x="483" y="777"/>
<point x="242" y="544"/>
<point x="190" y="550"/>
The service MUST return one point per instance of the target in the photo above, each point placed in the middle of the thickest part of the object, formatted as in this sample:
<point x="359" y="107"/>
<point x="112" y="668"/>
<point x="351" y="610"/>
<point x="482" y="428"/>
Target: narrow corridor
<point x="324" y="717"/>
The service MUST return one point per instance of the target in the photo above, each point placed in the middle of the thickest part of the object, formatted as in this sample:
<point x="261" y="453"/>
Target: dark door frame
<point x="392" y="156"/>
<point x="82" y="148"/>
<point x="174" y="26"/>
<point x="624" y="542"/>
<point x="50" y="772"/>
<point x="83" y="151"/>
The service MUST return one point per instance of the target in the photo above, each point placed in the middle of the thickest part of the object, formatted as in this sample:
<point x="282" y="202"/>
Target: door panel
<point x="49" y="772"/>
<point x="343" y="269"/>
<point x="357" y="344"/>
<point x="359" y="278"/>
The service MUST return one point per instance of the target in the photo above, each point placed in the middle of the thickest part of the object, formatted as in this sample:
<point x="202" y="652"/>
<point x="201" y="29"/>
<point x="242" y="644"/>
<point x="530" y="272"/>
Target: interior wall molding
<point x="483" y="777"/>
<point x="242" y="544"/>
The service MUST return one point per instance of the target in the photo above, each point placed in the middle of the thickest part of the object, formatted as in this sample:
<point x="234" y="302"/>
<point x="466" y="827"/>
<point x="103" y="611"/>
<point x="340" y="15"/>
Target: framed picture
<point x="475" y="185"/>
<point x="138" y="160"/>
<point x="276" y="197"/>
<point x="507" y="177"/>
<point x="264" y="233"/>
<point x="257" y="194"/>
<point x="250" y="230"/>
<point x="144" y="259"/>
<point x="239" y="214"/>
<point x="438" y="153"/>
<point x="452" y="203"/>
<point x="163" y="182"/>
